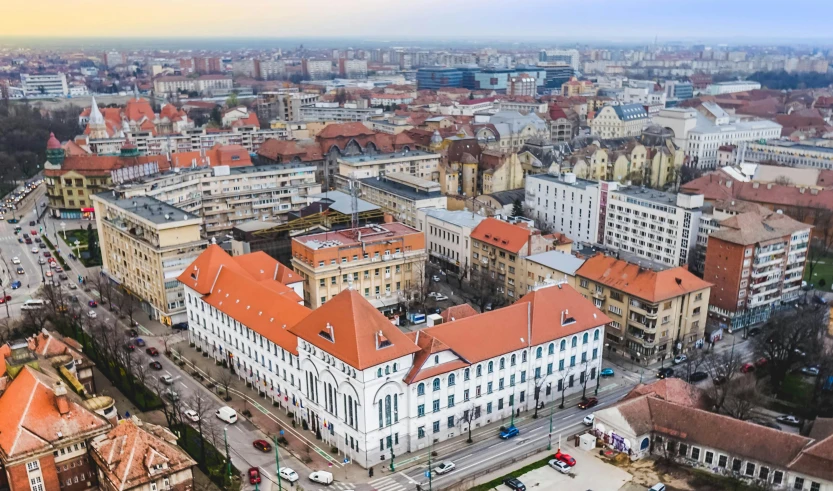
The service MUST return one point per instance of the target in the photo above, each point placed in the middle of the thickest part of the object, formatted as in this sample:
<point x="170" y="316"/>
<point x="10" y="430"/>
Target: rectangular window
<point x="421" y="432"/>
<point x="436" y="427"/>
<point x="722" y="461"/>
<point x="451" y="401"/>
<point x="709" y="457"/>
<point x="777" y="477"/>
<point x="763" y="473"/>
<point x="736" y="464"/>
<point x="799" y="483"/>
<point x="451" y="421"/>
<point x="750" y="469"/>
<point x="695" y="453"/>
<point x="814" y="486"/>
<point x="436" y="405"/>
<point x="488" y="408"/>
<point x="421" y="410"/>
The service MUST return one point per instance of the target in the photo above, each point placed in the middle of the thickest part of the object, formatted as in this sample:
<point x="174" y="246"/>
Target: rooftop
<point x="342" y="202"/>
<point x="393" y="184"/>
<point x="360" y="159"/>
<point x="148" y="208"/>
<point x="560" y="179"/>
<point x="557" y="260"/>
<point x="647" y="194"/>
<point x="503" y="235"/>
<point x="753" y="227"/>
<point x="460" y="218"/>
<point x="364" y="234"/>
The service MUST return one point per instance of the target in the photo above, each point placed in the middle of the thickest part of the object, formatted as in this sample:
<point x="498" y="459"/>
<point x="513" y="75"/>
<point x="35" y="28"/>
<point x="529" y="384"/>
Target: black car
<point x="665" y="372"/>
<point x="156" y="365"/>
<point x="514" y="483"/>
<point x="754" y="331"/>
<point x="31" y="223"/>
<point x="180" y="326"/>
<point x="697" y="377"/>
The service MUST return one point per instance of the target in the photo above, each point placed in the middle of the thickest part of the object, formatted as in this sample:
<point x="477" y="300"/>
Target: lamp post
<point x="392" y="453"/>
<point x="228" y="457"/>
<point x="278" y="463"/>
<point x="64" y="229"/>
<point x="77" y="246"/>
<point x="549" y="437"/>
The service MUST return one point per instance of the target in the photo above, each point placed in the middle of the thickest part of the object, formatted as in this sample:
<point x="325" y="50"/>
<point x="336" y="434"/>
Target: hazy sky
<point x="392" y="19"/>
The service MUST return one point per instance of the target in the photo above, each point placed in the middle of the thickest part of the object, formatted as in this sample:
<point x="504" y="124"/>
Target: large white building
<point x="371" y="390"/>
<point x="568" y="205"/>
<point x="732" y="87"/>
<point x="44" y="85"/>
<point x="333" y="111"/>
<point x="701" y="132"/>
<point x="447" y="236"/>
<point x="652" y="225"/>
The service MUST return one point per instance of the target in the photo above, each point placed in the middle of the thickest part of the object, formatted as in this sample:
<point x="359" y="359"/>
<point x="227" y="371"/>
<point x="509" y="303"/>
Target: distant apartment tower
<point x="677" y="91"/>
<point x="757" y="259"/>
<point x="271" y="69"/>
<point x="352" y="68"/>
<point x="114" y="58"/>
<point x="248" y="68"/>
<point x="317" y="69"/>
<point x="186" y="65"/>
<point x="522" y="85"/>
<point x="653" y="225"/>
<point x="566" y="56"/>
<point x="207" y="64"/>
<point x="44" y="85"/>
<point x="732" y="87"/>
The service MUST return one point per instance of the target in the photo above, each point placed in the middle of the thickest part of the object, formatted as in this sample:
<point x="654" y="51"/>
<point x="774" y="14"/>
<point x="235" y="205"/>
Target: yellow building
<point x="655" y="314"/>
<point x="501" y="171"/>
<point x="145" y="245"/>
<point x="556" y="265"/>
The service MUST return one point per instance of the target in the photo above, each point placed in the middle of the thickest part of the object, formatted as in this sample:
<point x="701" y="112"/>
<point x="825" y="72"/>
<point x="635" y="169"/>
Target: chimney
<point x="61" y="401"/>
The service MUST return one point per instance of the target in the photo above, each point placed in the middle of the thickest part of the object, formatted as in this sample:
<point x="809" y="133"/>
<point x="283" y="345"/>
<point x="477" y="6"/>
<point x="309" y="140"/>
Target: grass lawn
<point x="823" y="270"/>
<point x="81" y="236"/>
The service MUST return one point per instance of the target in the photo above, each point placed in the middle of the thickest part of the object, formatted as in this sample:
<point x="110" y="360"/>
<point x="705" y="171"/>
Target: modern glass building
<point x="439" y="77"/>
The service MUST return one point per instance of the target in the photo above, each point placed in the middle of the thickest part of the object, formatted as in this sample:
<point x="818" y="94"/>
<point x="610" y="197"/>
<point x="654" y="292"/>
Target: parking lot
<point x="589" y="473"/>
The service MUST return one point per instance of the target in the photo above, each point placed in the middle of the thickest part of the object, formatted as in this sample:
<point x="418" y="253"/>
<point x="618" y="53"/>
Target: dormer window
<point x="327" y="333"/>
<point x="382" y="341"/>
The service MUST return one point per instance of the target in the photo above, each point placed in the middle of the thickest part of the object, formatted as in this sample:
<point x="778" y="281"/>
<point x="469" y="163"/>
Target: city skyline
<point x="488" y="21"/>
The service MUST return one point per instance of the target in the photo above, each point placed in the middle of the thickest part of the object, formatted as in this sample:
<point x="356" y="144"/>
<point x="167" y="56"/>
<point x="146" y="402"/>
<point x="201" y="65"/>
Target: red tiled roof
<point x="101" y="165"/>
<point x="345" y="130"/>
<point x="458" y="312"/>
<point x="502" y="235"/>
<point x="286" y="150"/>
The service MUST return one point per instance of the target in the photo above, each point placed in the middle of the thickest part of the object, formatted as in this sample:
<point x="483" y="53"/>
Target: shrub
<point x="334" y="450"/>
<point x="246" y="413"/>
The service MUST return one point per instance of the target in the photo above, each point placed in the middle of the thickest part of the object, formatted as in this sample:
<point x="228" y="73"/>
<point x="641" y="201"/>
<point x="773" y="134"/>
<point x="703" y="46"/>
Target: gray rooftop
<point x="148" y="208"/>
<point x="387" y="156"/>
<point x="630" y="112"/>
<point x="460" y="218"/>
<point x="649" y="194"/>
<point x="580" y="183"/>
<point x="254" y="225"/>
<point x="557" y="260"/>
<point x="342" y="203"/>
<point x="399" y="189"/>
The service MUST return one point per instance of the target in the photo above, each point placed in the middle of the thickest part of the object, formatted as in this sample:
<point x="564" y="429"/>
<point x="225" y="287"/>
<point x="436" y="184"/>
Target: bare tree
<point x="415" y="293"/>
<point x="564" y="384"/>
<point x="201" y="405"/>
<point x="741" y="397"/>
<point x="721" y="368"/>
<point x="485" y="288"/>
<point x="821" y="241"/>
<point x="224" y="380"/>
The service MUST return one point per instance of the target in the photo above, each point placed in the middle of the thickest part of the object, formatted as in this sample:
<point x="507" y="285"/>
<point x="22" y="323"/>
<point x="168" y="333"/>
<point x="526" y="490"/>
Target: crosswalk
<point x="386" y="484"/>
<point x="340" y="486"/>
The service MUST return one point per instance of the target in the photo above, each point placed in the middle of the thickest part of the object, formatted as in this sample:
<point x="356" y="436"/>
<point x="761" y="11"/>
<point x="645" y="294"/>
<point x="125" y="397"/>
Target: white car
<point x="321" y="477"/>
<point x="73" y="286"/>
<point x="41" y="260"/>
<point x="35" y="250"/>
<point x="440" y="297"/>
<point x="91" y="314"/>
<point x="679" y="359"/>
<point x="288" y="474"/>
<point x="192" y="415"/>
<point x="559" y="466"/>
<point x="433" y="294"/>
<point x="589" y="419"/>
<point x="167" y="379"/>
<point x="444" y="467"/>
<point x="15" y="260"/>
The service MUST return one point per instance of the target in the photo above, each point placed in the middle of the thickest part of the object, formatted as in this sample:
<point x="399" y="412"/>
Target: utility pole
<point x="430" y="474"/>
<point x="549" y="437"/>
<point x="512" y="407"/>
<point x="278" y="463"/>
<point x="228" y="457"/>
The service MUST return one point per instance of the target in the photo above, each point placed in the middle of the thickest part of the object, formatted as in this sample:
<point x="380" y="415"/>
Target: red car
<point x="152" y="351"/>
<point x="563" y="457"/>
<point x="761" y="362"/>
<point x="92" y="303"/>
<point x="588" y="403"/>
<point x="262" y="445"/>
<point x="47" y="254"/>
<point x="254" y="475"/>
<point x="33" y="233"/>
<point x="5" y="299"/>
<point x="747" y="367"/>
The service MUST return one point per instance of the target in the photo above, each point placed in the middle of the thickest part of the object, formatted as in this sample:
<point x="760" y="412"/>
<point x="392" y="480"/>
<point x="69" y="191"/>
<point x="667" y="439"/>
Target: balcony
<point x="767" y="262"/>
<point x="599" y="295"/>
<point x="769" y="280"/>
<point x="769" y="251"/>
<point x="649" y="311"/>
<point x="642" y="323"/>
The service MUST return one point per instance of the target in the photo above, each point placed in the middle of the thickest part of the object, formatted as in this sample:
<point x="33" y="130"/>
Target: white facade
<point x="700" y="135"/>
<point x="447" y="234"/>
<point x="44" y="85"/>
<point x="571" y="206"/>
<point x="333" y="111"/>
<point x="660" y="227"/>
<point x="732" y="87"/>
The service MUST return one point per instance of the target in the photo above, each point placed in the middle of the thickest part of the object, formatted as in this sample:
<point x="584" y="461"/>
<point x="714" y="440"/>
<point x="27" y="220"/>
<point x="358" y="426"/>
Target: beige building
<point x="145" y="245"/>
<point x="424" y="165"/>
<point x="556" y="265"/>
<point x="655" y="315"/>
<point x="398" y="194"/>
<point x="381" y="262"/>
<point x="620" y="121"/>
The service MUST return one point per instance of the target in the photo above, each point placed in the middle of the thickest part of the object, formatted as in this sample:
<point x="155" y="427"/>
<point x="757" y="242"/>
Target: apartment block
<point x="378" y="261"/>
<point x="398" y="194"/>
<point x="620" y="121"/>
<point x="417" y="163"/>
<point x="228" y="196"/>
<point x="44" y="85"/>
<point x="757" y="259"/>
<point x="448" y="237"/>
<point x="145" y="245"/>
<point x="317" y="69"/>
<point x="652" y="225"/>
<point x="557" y="265"/>
<point x="655" y="315"/>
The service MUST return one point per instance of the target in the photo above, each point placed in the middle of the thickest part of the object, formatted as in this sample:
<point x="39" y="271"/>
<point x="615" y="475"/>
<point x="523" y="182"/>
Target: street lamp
<point x="77" y="245"/>
<point x="64" y="229"/>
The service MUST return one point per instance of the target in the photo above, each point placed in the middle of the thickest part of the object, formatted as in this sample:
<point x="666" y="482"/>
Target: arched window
<point x="585" y="338"/>
<point x="539" y="352"/>
<point x="563" y="345"/>
<point x="451" y="380"/>
<point x="466" y="374"/>
<point x="395" y="367"/>
<point x="552" y="348"/>
<point x="421" y="389"/>
<point x="523" y="356"/>
<point x="387" y="370"/>
<point x="575" y="341"/>
<point x="479" y="371"/>
<point x="437" y="360"/>
<point x="387" y="411"/>
<point x="491" y="367"/>
<point x="502" y="364"/>
<point x="512" y="360"/>
<point x="395" y="408"/>
<point x="436" y="384"/>
<point x="596" y="335"/>
<point x="379" y="372"/>
<point x="381" y="421"/>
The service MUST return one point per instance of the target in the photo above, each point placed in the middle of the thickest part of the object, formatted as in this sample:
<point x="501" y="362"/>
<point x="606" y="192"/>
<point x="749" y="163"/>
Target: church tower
<point x="98" y="127"/>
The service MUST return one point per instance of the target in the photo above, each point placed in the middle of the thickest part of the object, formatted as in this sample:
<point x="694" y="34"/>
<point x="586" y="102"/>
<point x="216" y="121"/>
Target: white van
<point x="32" y="305"/>
<point x="321" y="477"/>
<point x="227" y="414"/>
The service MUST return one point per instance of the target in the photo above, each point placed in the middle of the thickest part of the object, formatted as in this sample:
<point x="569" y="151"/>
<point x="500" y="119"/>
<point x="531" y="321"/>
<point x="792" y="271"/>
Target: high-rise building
<point x="522" y="85"/>
<point x="757" y="259"/>
<point x="564" y="56"/>
<point x="317" y="69"/>
<point x="207" y="64"/>
<point x="433" y="78"/>
<point x="44" y="84"/>
<point x="352" y="68"/>
<point x="114" y="58"/>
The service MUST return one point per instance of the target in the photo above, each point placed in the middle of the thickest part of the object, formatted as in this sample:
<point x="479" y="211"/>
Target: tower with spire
<point x="97" y="125"/>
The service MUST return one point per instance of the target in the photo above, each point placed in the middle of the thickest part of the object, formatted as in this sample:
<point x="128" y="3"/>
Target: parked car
<point x="47" y="254"/>
<point x="433" y="294"/>
<point x="440" y="297"/>
<point x="152" y="351"/>
<point x="35" y="250"/>
<point x="680" y="358"/>
<point x="73" y="286"/>
<point x="288" y="474"/>
<point x="566" y="458"/>
<point x="262" y="445"/>
<point x="509" y="432"/>
<point x="658" y="487"/>
<point x="761" y="362"/>
<point x="754" y="331"/>
<point x="171" y="394"/>
<point x="811" y="370"/>
<point x="191" y="415"/>
<point x="665" y="372"/>
<point x="166" y="379"/>
<point x="789" y="419"/>
<point x="514" y="484"/>
<point x="254" y="476"/>
<point x="5" y="299"/>
<point x="15" y="260"/>
<point x="588" y="402"/>
<point x="92" y="303"/>
<point x="697" y="377"/>
<point x="606" y="372"/>
<point x="156" y="365"/>
<point x="747" y="368"/>
<point x="559" y="466"/>
<point x="589" y="419"/>
<point x="132" y="332"/>
<point x="16" y="284"/>
<point x="129" y="347"/>
<point x="321" y="477"/>
<point x="444" y="467"/>
<point x="435" y="278"/>
<point x="226" y="414"/>
<point x="180" y="326"/>
<point x="91" y="314"/>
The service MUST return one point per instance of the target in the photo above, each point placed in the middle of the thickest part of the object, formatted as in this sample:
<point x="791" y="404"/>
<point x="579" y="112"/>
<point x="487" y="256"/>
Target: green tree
<point x="92" y="243"/>
<point x="232" y="100"/>
<point x="517" y="208"/>
<point x="216" y="116"/>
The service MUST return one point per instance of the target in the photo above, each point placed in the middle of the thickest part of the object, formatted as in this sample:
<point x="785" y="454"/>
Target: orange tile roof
<point x="128" y="454"/>
<point x="356" y="326"/>
<point x="643" y="283"/>
<point x="458" y="312"/>
<point x="200" y="274"/>
<point x="502" y="235"/>
<point x="31" y="421"/>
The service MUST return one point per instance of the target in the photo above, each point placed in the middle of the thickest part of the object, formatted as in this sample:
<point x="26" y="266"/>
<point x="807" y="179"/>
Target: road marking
<point x="144" y="330"/>
<point x="407" y="477"/>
